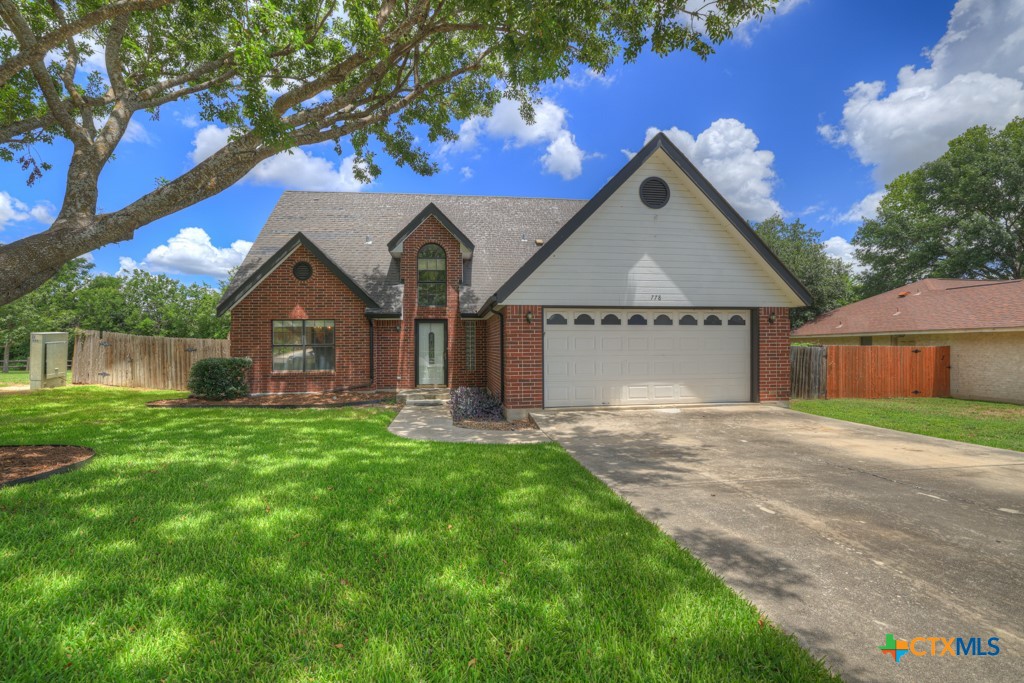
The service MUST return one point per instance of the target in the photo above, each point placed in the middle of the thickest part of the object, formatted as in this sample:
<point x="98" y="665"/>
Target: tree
<point x="48" y="308"/>
<point x="286" y="73"/>
<point x="960" y="216"/>
<point x="827" y="278"/>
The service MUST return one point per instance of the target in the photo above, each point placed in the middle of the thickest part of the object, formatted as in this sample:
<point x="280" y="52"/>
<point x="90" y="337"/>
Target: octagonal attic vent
<point x="302" y="270"/>
<point x="654" y="193"/>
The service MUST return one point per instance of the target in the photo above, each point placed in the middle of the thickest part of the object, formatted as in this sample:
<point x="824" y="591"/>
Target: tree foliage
<point x="285" y="73"/>
<point x="960" y="216"/>
<point x="827" y="278"/>
<point x="136" y="303"/>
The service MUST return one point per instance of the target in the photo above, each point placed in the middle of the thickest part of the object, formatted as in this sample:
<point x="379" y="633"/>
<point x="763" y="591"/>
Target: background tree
<point x="827" y="278"/>
<point x="284" y="73"/>
<point x="960" y="216"/>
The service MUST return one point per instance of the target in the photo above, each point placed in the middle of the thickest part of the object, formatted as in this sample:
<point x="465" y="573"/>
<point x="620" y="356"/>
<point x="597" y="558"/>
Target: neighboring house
<point x="653" y="292"/>
<point x="981" y="321"/>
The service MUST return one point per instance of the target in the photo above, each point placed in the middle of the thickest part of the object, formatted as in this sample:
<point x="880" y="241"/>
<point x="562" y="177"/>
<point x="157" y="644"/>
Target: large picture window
<point x="432" y="276"/>
<point x="303" y="345"/>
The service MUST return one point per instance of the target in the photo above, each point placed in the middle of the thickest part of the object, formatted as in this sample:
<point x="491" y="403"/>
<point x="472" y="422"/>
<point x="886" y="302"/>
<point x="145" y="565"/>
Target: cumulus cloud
<point x="190" y="252"/>
<point x="975" y="76"/>
<point x="562" y="155"/>
<point x="295" y="169"/>
<point x="127" y="265"/>
<point x="13" y="210"/>
<point x="727" y="154"/>
<point x="842" y="249"/>
<point x="866" y="208"/>
<point x="466" y="172"/>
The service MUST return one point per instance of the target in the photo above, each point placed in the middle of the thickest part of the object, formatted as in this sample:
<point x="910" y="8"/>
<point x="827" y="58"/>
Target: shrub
<point x="474" y="403"/>
<point x="219" y="378"/>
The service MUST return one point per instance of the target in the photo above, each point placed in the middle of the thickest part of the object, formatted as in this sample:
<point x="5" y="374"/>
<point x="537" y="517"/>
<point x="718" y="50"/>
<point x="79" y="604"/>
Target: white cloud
<point x="13" y="210"/>
<point x="136" y="133"/>
<point x="127" y="265"/>
<point x="466" y="172"/>
<point x="727" y="154"/>
<point x="295" y="169"/>
<point x="562" y="155"/>
<point x="975" y="77"/>
<point x="190" y="121"/>
<point x="191" y="252"/>
<point x="746" y="31"/>
<point x="840" y="248"/>
<point x="865" y="208"/>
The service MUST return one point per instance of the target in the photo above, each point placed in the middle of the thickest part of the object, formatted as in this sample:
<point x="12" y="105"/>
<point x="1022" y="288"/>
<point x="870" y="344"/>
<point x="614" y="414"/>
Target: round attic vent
<point x="654" y="193"/>
<point x="302" y="271"/>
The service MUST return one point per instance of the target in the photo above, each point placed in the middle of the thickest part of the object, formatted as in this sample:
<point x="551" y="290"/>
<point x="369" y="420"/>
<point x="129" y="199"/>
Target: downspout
<point x="373" y="359"/>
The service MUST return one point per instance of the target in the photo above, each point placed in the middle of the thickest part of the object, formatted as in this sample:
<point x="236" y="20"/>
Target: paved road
<point x="841" y="533"/>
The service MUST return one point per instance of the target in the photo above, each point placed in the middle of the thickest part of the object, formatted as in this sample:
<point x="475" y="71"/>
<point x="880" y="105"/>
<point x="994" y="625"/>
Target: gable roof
<point x="238" y="292"/>
<point x="352" y="230"/>
<point x="659" y="141"/>
<point x="430" y="210"/>
<point x="929" y="305"/>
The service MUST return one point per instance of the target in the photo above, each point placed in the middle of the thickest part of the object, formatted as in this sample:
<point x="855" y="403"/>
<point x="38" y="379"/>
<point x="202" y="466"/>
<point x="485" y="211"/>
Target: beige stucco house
<point x="982" y="321"/>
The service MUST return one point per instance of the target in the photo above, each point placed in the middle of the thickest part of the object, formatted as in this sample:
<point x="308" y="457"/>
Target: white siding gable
<point x="685" y="254"/>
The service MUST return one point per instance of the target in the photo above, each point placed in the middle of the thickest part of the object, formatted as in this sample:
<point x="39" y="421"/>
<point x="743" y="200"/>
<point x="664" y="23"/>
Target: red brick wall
<point x="524" y="362"/>
<point x="386" y="344"/>
<point x="282" y="297"/>
<point x="431" y="231"/>
<point x="493" y="354"/>
<point x="773" y="354"/>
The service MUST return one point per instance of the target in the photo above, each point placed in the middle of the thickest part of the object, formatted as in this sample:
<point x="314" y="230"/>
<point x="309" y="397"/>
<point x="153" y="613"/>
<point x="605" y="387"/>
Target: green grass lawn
<point x="989" y="424"/>
<point x="8" y="378"/>
<point x="249" y="544"/>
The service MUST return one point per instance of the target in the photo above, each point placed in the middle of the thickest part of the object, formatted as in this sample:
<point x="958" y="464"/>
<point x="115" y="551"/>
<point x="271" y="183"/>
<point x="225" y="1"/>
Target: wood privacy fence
<point x="869" y="371"/>
<point x="128" y="360"/>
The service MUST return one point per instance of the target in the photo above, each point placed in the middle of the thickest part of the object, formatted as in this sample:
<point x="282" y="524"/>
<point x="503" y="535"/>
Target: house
<point x="655" y="291"/>
<point x="981" y="321"/>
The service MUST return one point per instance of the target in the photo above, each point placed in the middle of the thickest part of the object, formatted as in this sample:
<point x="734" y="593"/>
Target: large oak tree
<point x="960" y="216"/>
<point x="369" y="74"/>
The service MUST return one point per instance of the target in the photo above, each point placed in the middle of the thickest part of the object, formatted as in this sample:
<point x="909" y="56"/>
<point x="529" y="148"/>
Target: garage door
<point x="645" y="357"/>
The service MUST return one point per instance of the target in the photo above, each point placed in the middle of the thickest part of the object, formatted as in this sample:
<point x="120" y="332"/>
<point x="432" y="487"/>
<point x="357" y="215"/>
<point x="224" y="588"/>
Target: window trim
<point x="419" y="273"/>
<point x="304" y="346"/>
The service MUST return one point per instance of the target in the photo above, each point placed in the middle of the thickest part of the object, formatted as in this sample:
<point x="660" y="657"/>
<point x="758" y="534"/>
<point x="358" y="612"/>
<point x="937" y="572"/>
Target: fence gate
<point x="807" y="365"/>
<point x="129" y="360"/>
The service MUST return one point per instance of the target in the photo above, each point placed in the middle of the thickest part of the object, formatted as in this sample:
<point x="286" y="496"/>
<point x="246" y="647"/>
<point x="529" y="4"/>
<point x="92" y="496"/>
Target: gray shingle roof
<point x="353" y="229"/>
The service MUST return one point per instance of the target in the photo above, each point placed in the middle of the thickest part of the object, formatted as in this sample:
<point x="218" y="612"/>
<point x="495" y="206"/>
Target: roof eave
<point x="396" y="242"/>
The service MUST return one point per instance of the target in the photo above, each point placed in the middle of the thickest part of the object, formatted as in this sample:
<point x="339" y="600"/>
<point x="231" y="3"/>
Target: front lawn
<point x="988" y="424"/>
<point x="9" y="378"/>
<point x="260" y="544"/>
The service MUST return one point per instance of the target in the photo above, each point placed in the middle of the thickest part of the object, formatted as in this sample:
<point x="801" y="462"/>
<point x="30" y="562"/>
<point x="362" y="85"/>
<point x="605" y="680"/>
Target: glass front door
<point x="430" y="356"/>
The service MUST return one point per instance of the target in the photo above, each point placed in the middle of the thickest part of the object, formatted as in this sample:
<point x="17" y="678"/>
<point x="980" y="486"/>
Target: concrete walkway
<point x="434" y="423"/>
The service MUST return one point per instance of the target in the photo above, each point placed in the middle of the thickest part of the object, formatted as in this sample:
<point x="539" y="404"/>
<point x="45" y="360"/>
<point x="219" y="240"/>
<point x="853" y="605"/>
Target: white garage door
<point x="631" y="356"/>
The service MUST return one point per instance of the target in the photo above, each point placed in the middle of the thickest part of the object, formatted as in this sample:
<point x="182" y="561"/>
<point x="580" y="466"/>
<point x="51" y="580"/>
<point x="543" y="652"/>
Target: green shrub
<point x="219" y="378"/>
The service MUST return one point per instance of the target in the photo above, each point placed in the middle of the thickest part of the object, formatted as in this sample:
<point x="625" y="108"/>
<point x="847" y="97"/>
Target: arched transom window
<point x="432" y="276"/>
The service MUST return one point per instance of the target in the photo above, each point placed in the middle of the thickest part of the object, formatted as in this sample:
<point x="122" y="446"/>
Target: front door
<point x="430" y="352"/>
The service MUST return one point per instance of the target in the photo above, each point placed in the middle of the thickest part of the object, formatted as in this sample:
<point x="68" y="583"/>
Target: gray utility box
<point x="48" y="360"/>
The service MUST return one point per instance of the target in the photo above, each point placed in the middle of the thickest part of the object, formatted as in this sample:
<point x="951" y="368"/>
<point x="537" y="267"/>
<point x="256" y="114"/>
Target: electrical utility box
<point x="48" y="360"/>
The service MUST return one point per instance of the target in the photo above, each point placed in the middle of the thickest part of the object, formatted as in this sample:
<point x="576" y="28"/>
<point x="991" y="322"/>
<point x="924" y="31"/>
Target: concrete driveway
<point x="839" y="532"/>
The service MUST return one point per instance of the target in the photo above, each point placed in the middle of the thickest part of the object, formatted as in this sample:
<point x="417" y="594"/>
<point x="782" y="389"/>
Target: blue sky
<point x="808" y="114"/>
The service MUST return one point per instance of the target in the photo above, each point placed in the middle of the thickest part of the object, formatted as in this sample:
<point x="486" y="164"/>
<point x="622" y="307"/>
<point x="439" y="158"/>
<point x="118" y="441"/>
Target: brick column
<point x="524" y="360"/>
<point x="773" y="355"/>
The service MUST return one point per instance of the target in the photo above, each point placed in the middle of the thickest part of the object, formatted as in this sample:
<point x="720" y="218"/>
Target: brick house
<point x="981" y="321"/>
<point x="655" y="291"/>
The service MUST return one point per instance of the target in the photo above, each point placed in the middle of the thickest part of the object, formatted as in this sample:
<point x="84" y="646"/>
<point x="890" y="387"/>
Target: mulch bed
<point x="19" y="464"/>
<point x="497" y="425"/>
<point x="327" y="399"/>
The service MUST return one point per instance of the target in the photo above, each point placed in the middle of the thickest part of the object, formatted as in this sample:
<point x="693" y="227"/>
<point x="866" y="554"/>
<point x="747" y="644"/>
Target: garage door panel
<point x="646" y="364"/>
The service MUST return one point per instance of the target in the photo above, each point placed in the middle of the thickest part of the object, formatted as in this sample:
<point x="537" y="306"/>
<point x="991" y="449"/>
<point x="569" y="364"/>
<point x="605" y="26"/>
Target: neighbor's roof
<point x="929" y="305"/>
<point x="353" y="229"/>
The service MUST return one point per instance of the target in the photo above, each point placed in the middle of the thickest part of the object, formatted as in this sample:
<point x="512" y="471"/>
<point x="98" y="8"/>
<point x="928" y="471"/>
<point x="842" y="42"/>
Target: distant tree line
<point x="135" y="303"/>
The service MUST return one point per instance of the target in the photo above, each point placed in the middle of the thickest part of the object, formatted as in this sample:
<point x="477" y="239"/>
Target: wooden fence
<point x="128" y="360"/>
<point x="869" y="371"/>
